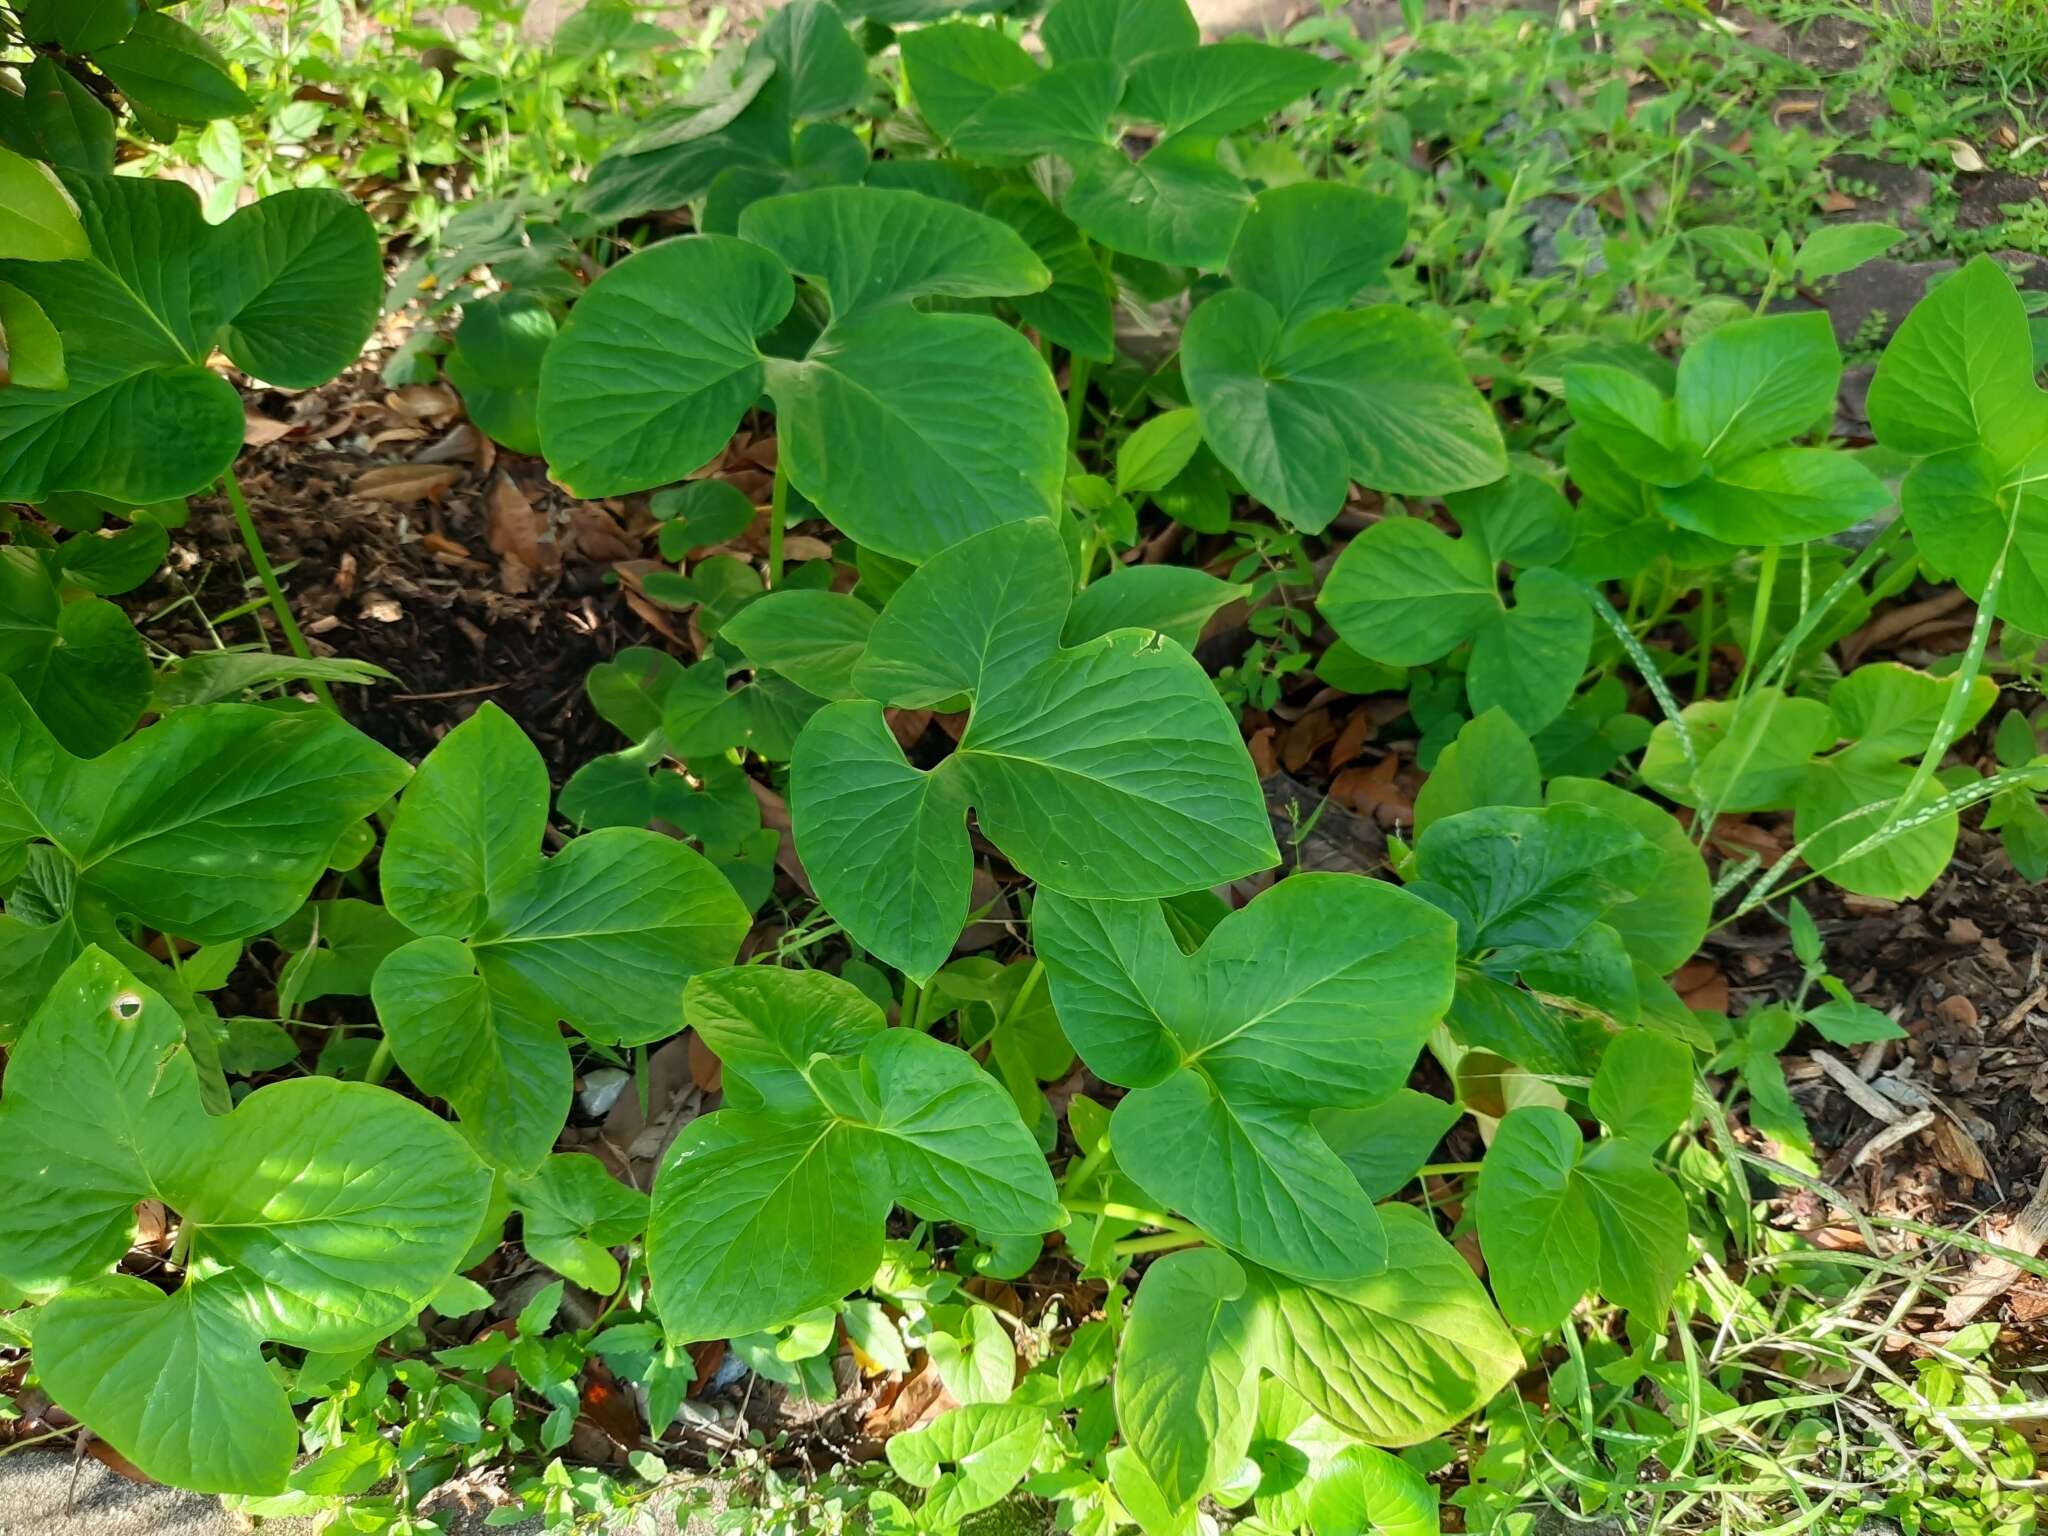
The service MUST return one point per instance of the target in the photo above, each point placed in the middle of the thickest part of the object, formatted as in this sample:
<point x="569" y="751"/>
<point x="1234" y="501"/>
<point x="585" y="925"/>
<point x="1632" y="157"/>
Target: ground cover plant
<point x="1021" y="1082"/>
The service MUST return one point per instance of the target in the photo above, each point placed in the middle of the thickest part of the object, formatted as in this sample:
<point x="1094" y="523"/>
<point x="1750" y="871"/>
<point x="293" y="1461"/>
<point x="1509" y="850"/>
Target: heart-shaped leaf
<point x="288" y="288"/>
<point x="573" y="1213"/>
<point x="764" y="1213"/>
<point x="1368" y="395"/>
<point x="80" y="665"/>
<point x="604" y="933"/>
<point x="1230" y="1051"/>
<point x="286" y="1205"/>
<point x="57" y="120"/>
<point x="1084" y="789"/>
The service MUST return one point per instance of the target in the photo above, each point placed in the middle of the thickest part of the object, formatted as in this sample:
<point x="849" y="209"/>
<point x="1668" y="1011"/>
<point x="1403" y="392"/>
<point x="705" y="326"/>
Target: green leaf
<point x="1078" y="309"/>
<point x="1124" y="31"/>
<point x="208" y="677"/>
<point x="573" y="1214"/>
<point x="1190" y="1358"/>
<point x="1643" y="1089"/>
<point x="1151" y="456"/>
<point x="979" y="1365"/>
<point x="1632" y="420"/>
<point x="763" y="1214"/>
<point x="912" y="432"/>
<point x="956" y="68"/>
<point x="1784" y="496"/>
<point x="1752" y="752"/>
<point x="1384" y="1144"/>
<point x="885" y="845"/>
<point x="1229" y="1051"/>
<point x="1753" y="383"/>
<point x="1063" y="110"/>
<point x="765" y="1026"/>
<point x="1056" y="750"/>
<point x="1176" y="205"/>
<point x="989" y="1446"/>
<point x="287" y="1206"/>
<point x="1536" y="1225"/>
<point x="31" y="354"/>
<point x="817" y="60"/>
<point x="1311" y="246"/>
<point x="57" y="120"/>
<point x="1372" y="395"/>
<point x="1176" y="600"/>
<point x="1515" y="876"/>
<point x="605" y="932"/>
<point x="80" y="665"/>
<point x="287" y="287"/>
<point x="490" y="1048"/>
<point x="1960" y="373"/>
<point x="1405" y="593"/>
<point x="1664" y="925"/>
<point x="1207" y="93"/>
<point x="1835" y="248"/>
<point x="812" y="638"/>
<point x="165" y="67"/>
<point x="866" y="248"/>
<point x="495" y="363"/>
<point x="177" y="1383"/>
<point x="37" y="219"/>
<point x="1489" y="763"/>
<point x="1366" y="1490"/>
<point x="1528" y="659"/>
<point x="211" y="824"/>
<point x="1643" y="1242"/>
<point x="657" y="363"/>
<point x="1397" y="1357"/>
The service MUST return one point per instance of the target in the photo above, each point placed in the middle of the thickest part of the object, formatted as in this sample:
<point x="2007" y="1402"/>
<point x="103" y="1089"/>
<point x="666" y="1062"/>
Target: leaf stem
<point x="253" y="542"/>
<point x="379" y="1065"/>
<point x="1117" y="1211"/>
<point x="1444" y="1170"/>
<point x="1163" y="1242"/>
<point x="1078" y="369"/>
<point x="778" y="513"/>
<point x="1703" y="677"/>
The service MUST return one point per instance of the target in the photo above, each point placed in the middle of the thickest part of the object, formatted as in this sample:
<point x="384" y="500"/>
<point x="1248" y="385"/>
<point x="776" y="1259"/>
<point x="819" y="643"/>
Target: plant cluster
<point x="920" y="303"/>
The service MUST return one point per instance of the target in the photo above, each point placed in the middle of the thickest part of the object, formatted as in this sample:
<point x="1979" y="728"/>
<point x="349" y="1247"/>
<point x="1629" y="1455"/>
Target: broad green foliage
<point x="286" y="1205"/>
<point x="211" y="824"/>
<point x="1557" y="1219"/>
<point x="1106" y="769"/>
<point x="1391" y="1358"/>
<point x="1842" y="764"/>
<point x="602" y="936"/>
<point x="991" y="103"/>
<point x="911" y="430"/>
<point x="1405" y="593"/>
<point x="79" y="665"/>
<point x="1301" y="395"/>
<point x="1317" y="995"/>
<point x="1956" y="388"/>
<point x="288" y="288"/>
<point x="1713" y="458"/>
<point x="774" y="1206"/>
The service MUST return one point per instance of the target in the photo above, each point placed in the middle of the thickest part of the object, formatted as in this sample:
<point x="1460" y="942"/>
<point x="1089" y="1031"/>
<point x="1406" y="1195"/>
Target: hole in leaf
<point x="127" y="1007"/>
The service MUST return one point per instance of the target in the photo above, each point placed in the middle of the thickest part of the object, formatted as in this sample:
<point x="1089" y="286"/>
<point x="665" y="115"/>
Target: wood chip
<point x="1990" y="1276"/>
<point x="1892" y="1135"/>
<point x="1859" y="1092"/>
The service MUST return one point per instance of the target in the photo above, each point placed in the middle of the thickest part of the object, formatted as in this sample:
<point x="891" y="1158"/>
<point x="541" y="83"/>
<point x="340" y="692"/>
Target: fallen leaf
<point x="1837" y="202"/>
<point x="405" y="482"/>
<point x="1701" y="987"/>
<point x="425" y="402"/>
<point x="706" y="1070"/>
<point x="1374" y="791"/>
<point x="1965" y="156"/>
<point x="1358" y="730"/>
<point x="441" y="544"/>
<point x="258" y="429"/>
<point x="801" y="546"/>
<point x="906" y="725"/>
<point x="596" y="535"/>
<point x="517" y="531"/>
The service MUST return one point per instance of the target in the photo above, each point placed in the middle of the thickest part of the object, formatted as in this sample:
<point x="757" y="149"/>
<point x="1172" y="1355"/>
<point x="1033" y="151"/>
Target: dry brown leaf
<point x="1965" y="156"/>
<point x="1374" y="791"/>
<point x="1837" y="202"/>
<point x="1264" y="758"/>
<point x="596" y="535"/>
<point x="425" y="402"/>
<point x="801" y="546"/>
<point x="258" y="429"/>
<point x="517" y="531"/>
<point x="1358" y="730"/>
<point x="906" y="725"/>
<point x="405" y="482"/>
<point x="1701" y="986"/>
<point x="706" y="1070"/>
<point x="920" y="1398"/>
<point x="461" y="443"/>
<point x="441" y="544"/>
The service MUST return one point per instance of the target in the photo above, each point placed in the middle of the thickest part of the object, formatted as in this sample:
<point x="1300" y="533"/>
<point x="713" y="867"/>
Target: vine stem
<point x="778" y="514"/>
<point x="1117" y="1211"/>
<point x="253" y="542"/>
<point x="1078" y="369"/>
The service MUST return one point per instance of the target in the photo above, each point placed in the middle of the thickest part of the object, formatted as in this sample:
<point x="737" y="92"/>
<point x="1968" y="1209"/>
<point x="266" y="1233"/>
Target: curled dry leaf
<point x="405" y="482"/>
<point x="1965" y="156"/>
<point x="519" y="533"/>
<point x="425" y="402"/>
<point x="258" y="429"/>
